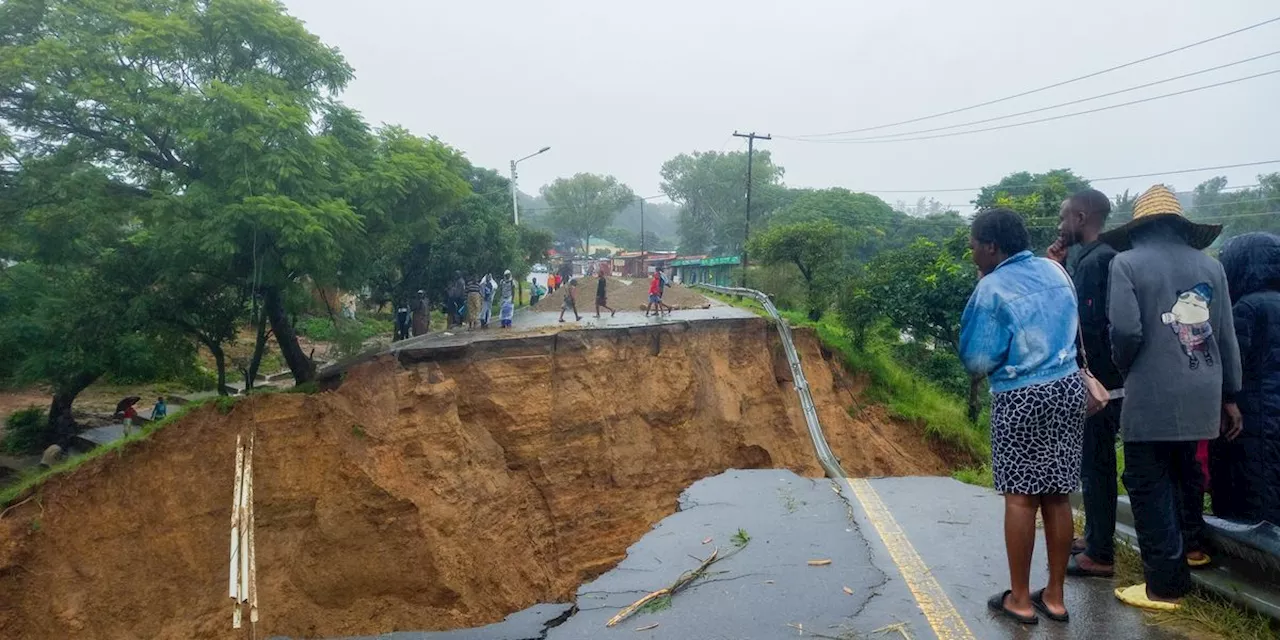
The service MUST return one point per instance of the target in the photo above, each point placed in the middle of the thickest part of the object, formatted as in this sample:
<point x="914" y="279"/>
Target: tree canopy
<point x="1037" y="197"/>
<point x="711" y="190"/>
<point x="816" y="247"/>
<point x="585" y="205"/>
<point x="173" y="170"/>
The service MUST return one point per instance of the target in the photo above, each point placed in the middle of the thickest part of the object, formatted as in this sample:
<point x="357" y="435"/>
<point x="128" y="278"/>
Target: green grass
<point x="979" y="475"/>
<point x="661" y="603"/>
<point x="741" y="538"/>
<point x="1202" y="614"/>
<point x="35" y="477"/>
<point x="906" y="395"/>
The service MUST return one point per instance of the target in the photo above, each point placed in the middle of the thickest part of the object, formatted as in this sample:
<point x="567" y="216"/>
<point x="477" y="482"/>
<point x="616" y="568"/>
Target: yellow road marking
<point x="933" y="601"/>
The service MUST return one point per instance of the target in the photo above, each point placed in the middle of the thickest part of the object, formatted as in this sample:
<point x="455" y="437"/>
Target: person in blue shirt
<point x="1019" y="331"/>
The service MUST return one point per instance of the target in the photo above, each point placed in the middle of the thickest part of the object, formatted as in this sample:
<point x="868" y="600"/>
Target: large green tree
<point x="816" y="248"/>
<point x="585" y="205"/>
<point x="74" y="290"/>
<point x="1037" y="197"/>
<point x="210" y="108"/>
<point x="711" y="189"/>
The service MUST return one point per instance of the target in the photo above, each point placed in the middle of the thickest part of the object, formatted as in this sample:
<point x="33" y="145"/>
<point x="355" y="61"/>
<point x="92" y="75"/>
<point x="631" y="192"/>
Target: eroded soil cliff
<point x="431" y="490"/>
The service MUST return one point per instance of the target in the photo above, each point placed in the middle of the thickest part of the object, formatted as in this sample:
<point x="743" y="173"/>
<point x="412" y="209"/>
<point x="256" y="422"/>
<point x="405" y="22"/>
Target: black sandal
<point x="996" y="604"/>
<point x="1037" y="601"/>
<point x="1074" y="569"/>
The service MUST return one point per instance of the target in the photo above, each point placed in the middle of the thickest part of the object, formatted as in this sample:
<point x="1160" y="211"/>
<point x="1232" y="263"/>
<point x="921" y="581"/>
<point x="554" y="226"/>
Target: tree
<point x="1036" y="197"/>
<point x="208" y="108"/>
<point x="1238" y="210"/>
<point x="73" y="292"/>
<point x="585" y="205"/>
<point x="711" y="190"/>
<point x="920" y="290"/>
<point x="815" y="247"/>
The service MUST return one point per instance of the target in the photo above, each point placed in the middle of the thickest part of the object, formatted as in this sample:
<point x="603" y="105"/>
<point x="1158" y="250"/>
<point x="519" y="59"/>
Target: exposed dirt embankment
<point x="436" y="490"/>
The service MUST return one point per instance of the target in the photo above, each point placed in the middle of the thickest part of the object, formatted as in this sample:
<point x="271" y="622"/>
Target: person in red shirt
<point x="130" y="419"/>
<point x="655" y="295"/>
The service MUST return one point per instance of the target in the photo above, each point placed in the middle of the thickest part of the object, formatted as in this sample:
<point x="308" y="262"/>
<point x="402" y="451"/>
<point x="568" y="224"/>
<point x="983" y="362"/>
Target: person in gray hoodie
<point x="1173" y="339"/>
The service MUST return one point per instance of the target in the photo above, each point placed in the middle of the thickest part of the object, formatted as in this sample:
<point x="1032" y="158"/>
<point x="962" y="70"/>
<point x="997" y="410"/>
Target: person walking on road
<point x="507" y="296"/>
<point x="1019" y="330"/>
<point x="1088" y="260"/>
<point x="602" y="297"/>
<point x="656" y="289"/>
<point x="535" y="292"/>
<point x="570" y="300"/>
<point x="1173" y="338"/>
<point x="1246" y="469"/>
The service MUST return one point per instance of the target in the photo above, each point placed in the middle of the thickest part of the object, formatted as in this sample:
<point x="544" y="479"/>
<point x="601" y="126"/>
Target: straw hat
<point x="1156" y="203"/>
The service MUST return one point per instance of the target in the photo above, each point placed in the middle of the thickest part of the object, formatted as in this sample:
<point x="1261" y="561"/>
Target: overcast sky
<point x="619" y="88"/>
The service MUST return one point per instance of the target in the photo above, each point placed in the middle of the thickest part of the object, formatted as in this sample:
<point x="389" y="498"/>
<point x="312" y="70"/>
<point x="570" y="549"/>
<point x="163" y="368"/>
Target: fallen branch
<point x="685" y="579"/>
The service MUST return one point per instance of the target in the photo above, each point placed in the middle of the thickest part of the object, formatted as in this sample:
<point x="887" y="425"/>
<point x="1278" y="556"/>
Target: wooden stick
<point x="683" y="581"/>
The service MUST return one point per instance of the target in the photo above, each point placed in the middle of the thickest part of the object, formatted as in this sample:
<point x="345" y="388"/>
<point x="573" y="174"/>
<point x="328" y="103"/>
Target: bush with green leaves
<point x="25" y="432"/>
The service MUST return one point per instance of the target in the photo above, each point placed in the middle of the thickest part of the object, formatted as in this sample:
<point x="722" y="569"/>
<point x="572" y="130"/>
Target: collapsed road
<point x="451" y="483"/>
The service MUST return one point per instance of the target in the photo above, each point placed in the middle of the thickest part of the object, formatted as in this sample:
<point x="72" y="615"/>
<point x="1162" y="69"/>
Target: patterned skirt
<point x="1037" y="436"/>
<point x="474" y="302"/>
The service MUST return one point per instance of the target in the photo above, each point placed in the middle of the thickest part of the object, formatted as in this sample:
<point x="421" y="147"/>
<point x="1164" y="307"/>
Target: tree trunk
<point x="62" y="423"/>
<point x="259" y="348"/>
<point x="975" y="406"/>
<point x="303" y="368"/>
<point x="220" y="359"/>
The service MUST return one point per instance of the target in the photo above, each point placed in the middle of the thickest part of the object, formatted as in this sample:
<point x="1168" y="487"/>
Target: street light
<point x="515" y="201"/>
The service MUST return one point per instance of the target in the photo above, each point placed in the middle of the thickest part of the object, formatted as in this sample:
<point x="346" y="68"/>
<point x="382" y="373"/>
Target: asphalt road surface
<point x="952" y="536"/>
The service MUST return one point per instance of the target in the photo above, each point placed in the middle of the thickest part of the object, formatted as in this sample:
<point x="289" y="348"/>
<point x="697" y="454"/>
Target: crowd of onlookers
<point x="469" y="300"/>
<point x="1132" y="332"/>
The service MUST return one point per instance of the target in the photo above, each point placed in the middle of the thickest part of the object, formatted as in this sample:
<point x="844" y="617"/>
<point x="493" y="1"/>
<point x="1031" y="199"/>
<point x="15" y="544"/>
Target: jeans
<point x="1098" y="483"/>
<point x="1163" y="480"/>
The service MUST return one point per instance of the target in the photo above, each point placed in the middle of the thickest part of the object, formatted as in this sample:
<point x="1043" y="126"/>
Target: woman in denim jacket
<point x="1019" y="330"/>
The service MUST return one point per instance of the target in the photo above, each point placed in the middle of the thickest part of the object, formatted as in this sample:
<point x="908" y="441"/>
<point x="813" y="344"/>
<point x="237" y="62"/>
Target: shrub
<point x="25" y="432"/>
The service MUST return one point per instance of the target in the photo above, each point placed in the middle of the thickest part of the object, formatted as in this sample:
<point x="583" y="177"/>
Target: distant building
<point x="707" y="270"/>
<point x="636" y="264"/>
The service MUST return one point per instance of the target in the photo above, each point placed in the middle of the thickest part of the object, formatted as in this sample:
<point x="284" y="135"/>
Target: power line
<point x="1046" y="87"/>
<point x="951" y="206"/>
<point x="1054" y="106"/>
<point x="1040" y="120"/>
<point x="1136" y="175"/>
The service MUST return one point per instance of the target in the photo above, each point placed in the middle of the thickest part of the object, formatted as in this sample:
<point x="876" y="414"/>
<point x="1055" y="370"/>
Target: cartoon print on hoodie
<point x="1189" y="319"/>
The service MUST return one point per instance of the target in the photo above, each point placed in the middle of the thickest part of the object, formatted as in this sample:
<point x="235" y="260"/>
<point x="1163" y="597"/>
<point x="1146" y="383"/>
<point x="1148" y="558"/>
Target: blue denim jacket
<point x="1019" y="327"/>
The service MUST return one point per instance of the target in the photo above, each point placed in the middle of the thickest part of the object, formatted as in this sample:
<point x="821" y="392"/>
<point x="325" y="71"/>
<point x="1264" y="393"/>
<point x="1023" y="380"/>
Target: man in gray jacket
<point x="1173" y="338"/>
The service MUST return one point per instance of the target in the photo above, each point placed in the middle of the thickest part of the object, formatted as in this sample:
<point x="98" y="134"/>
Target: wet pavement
<point x="958" y="531"/>
<point x="529" y="324"/>
<point x="768" y="589"/>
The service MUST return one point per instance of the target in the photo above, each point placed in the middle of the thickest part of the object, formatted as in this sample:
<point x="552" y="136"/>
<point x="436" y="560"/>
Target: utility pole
<point x="642" y="228"/>
<point x="515" y="201"/>
<point x="751" y="150"/>
<point x="515" y="208"/>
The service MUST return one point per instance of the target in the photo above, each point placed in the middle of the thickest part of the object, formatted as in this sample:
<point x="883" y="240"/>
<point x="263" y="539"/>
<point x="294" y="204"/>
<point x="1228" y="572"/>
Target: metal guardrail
<point x="826" y="457"/>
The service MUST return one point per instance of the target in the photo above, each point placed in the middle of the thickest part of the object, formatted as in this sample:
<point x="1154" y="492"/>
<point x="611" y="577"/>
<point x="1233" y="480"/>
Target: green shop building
<point x="703" y="270"/>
